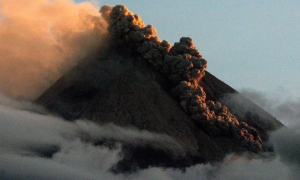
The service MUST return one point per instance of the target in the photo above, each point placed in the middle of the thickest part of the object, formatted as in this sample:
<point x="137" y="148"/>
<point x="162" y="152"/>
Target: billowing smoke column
<point x="184" y="66"/>
<point x="40" y="40"/>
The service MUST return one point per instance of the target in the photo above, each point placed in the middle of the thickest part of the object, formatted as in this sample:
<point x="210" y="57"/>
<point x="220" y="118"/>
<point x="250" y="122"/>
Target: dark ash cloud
<point x="38" y="145"/>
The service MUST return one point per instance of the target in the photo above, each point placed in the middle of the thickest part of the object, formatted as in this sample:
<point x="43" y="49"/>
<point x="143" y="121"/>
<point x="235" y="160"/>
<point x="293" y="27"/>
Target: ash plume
<point x="184" y="66"/>
<point x="37" y="145"/>
<point x="40" y="40"/>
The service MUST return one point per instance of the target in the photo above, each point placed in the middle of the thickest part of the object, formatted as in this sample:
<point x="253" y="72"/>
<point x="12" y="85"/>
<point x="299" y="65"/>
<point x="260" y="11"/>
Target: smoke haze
<point x="42" y="39"/>
<point x="281" y="103"/>
<point x="39" y="41"/>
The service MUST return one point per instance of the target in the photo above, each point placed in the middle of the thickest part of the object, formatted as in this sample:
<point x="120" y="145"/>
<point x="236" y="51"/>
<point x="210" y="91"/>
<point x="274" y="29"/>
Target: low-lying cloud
<point x="42" y="39"/>
<point x="38" y="145"/>
<point x="281" y="103"/>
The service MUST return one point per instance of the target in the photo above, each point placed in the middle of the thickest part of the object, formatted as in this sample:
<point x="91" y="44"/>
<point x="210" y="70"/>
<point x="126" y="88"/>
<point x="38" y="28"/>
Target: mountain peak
<point x="145" y="83"/>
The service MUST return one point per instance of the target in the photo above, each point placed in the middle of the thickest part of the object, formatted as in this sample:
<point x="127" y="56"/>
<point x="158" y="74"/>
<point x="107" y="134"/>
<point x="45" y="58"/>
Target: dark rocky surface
<point x="140" y="82"/>
<point x="130" y="94"/>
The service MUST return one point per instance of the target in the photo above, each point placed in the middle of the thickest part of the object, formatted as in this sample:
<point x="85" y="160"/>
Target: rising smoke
<point x="46" y="47"/>
<point x="184" y="66"/>
<point x="42" y="39"/>
<point x="38" y="45"/>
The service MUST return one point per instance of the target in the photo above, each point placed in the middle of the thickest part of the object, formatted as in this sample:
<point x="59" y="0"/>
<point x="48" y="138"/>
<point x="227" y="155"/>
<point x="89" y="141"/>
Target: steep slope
<point x="128" y="94"/>
<point x="140" y="82"/>
<point x="244" y="109"/>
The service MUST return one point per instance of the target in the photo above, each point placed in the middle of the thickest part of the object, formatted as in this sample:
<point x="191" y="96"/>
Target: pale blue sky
<point x="248" y="44"/>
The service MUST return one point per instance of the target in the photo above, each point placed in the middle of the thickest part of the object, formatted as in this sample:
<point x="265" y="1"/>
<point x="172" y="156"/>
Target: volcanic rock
<point x="115" y="89"/>
<point x="141" y="82"/>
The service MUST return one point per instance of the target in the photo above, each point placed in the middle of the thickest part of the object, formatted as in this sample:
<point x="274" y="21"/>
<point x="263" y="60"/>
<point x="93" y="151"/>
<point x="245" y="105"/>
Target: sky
<point x="248" y="44"/>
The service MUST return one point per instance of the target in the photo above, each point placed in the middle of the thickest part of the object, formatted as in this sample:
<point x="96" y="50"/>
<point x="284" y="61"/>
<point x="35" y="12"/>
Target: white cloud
<point x="281" y="103"/>
<point x="26" y="134"/>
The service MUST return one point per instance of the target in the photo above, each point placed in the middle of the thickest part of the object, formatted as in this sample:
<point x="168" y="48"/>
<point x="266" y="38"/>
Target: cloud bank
<point x="37" y="40"/>
<point x="37" y="145"/>
<point x="279" y="102"/>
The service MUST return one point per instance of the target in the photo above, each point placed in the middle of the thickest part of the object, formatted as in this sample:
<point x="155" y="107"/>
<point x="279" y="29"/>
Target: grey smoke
<point x="184" y="66"/>
<point x="281" y="103"/>
<point x="38" y="145"/>
<point x="287" y="144"/>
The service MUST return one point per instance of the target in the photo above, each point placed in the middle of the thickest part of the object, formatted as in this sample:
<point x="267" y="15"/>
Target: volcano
<point x="138" y="81"/>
